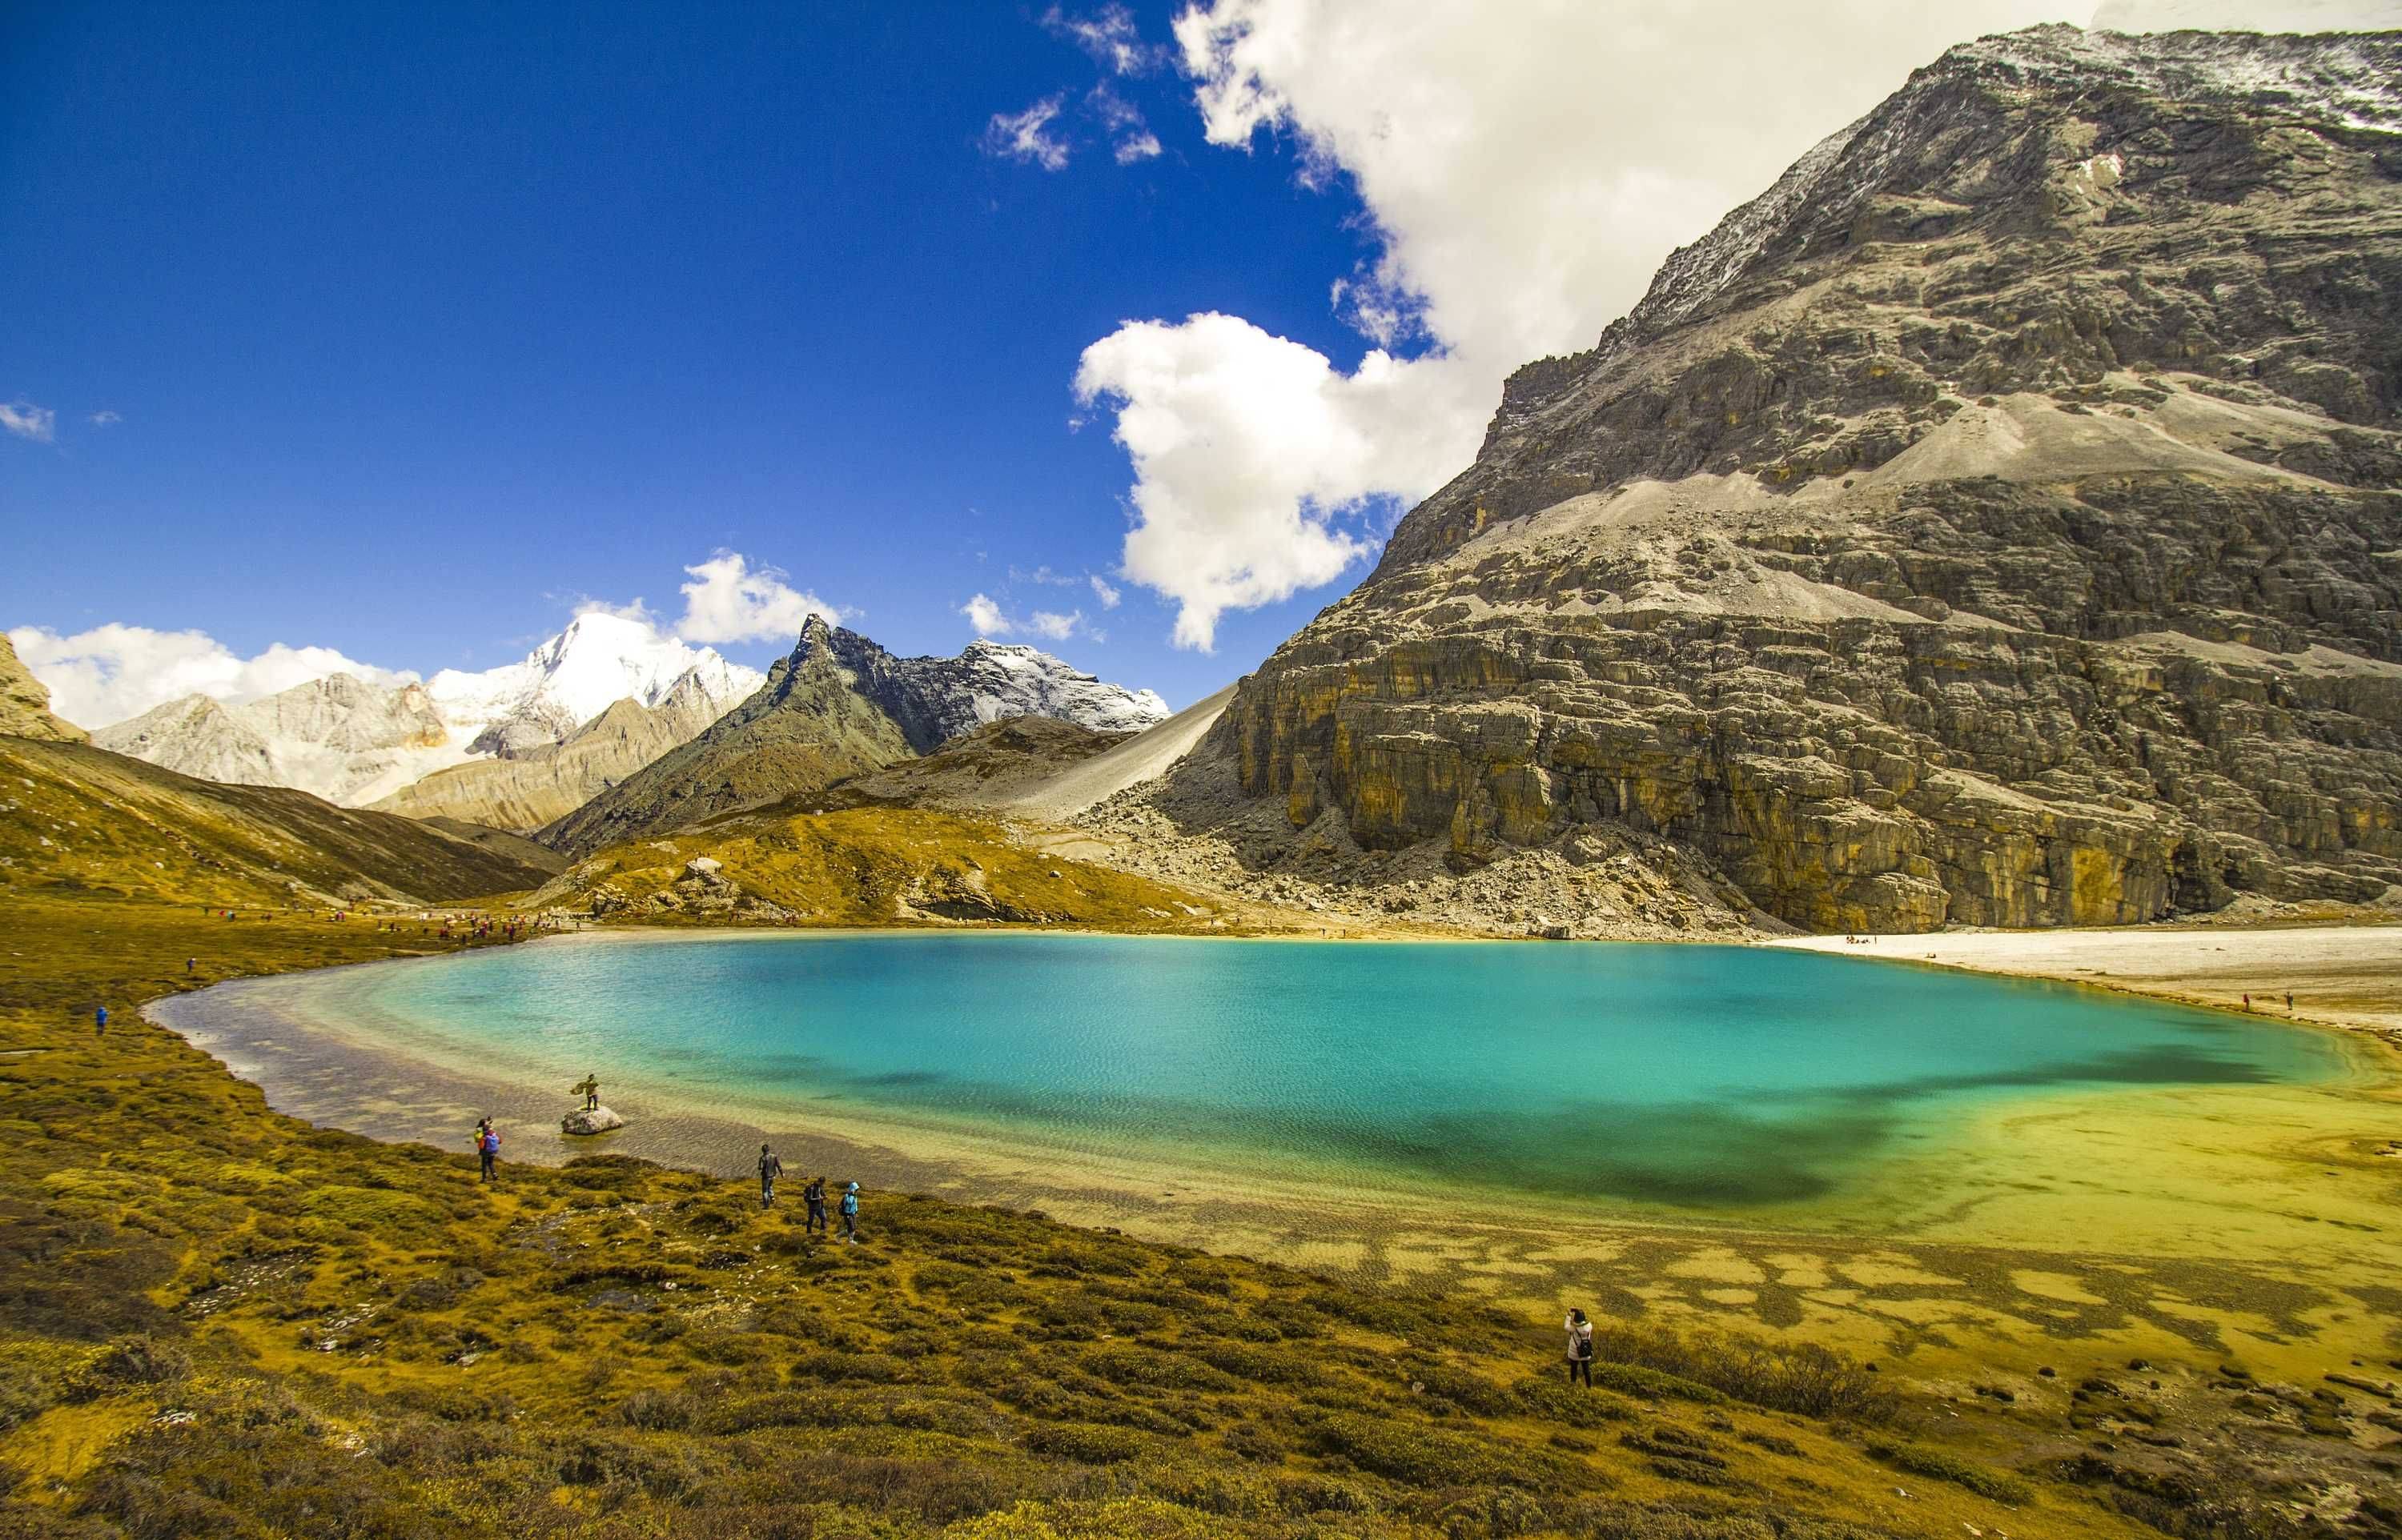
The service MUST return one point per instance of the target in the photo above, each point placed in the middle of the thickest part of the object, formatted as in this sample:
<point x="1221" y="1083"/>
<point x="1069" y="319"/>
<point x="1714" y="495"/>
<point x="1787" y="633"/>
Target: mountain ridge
<point x="837" y="706"/>
<point x="358" y="743"/>
<point x="1981" y="525"/>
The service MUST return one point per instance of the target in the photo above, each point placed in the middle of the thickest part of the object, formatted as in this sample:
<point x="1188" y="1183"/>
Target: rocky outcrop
<point x="934" y="699"/>
<point x="25" y="703"/>
<point x="585" y="1121"/>
<point x="1996" y="522"/>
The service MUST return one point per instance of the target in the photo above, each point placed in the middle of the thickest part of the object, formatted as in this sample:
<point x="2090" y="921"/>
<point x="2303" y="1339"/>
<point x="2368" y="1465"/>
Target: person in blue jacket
<point x="850" y="1214"/>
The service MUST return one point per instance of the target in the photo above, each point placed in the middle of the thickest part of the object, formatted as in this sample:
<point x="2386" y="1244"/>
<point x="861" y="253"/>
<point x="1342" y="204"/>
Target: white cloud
<point x="105" y="418"/>
<point x="2247" y="16"/>
<point x="1026" y="136"/>
<point x="1247" y="448"/>
<point x="1522" y="183"/>
<point x="101" y="677"/>
<point x="27" y="420"/>
<point x="638" y="611"/>
<point x="1109" y="36"/>
<point x="1124" y="121"/>
<point x="1105" y="592"/>
<point x="986" y="617"/>
<point x="730" y="600"/>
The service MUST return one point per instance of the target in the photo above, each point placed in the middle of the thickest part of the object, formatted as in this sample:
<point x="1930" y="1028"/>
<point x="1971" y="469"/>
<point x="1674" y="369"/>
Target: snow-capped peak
<point x="597" y="660"/>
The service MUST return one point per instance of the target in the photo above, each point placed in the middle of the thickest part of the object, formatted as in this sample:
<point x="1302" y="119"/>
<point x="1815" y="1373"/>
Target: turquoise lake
<point x="1703" y="1078"/>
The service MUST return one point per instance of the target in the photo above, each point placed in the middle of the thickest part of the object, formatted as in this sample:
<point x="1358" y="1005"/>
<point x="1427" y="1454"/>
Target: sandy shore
<point x="2348" y="976"/>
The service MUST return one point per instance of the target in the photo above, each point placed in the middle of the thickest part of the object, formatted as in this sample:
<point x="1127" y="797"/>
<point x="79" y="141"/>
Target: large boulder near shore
<point x="591" y="1119"/>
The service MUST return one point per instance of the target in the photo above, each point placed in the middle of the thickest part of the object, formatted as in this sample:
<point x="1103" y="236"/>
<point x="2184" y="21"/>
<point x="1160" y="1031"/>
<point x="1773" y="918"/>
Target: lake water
<point x="1697" y="1078"/>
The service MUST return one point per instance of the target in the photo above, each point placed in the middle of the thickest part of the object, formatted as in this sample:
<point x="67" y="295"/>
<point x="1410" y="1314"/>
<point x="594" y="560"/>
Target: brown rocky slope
<point x="25" y="703"/>
<point x="1996" y="522"/>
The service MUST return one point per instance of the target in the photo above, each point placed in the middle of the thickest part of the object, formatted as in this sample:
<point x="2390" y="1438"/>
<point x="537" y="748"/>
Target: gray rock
<point x="591" y="1119"/>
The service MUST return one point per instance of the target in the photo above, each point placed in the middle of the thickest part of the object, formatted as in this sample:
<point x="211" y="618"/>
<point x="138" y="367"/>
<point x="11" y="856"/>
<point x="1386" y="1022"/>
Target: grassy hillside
<point x="217" y="1321"/>
<point x="874" y="866"/>
<point x="75" y="819"/>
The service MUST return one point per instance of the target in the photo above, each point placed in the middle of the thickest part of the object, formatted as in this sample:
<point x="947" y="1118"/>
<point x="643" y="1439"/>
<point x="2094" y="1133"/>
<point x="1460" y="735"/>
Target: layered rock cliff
<point x="1994" y="522"/>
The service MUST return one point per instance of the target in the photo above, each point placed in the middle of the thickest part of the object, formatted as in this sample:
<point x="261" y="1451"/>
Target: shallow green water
<point x="1701" y="1077"/>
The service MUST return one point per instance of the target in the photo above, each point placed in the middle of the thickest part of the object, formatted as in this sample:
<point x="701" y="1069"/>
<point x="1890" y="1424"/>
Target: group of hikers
<point x="487" y="1139"/>
<point x="770" y="1167"/>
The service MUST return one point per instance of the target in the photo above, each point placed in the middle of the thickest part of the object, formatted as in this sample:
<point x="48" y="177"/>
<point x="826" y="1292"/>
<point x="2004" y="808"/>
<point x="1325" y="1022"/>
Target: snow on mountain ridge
<point x="597" y="660"/>
<point x="355" y="742"/>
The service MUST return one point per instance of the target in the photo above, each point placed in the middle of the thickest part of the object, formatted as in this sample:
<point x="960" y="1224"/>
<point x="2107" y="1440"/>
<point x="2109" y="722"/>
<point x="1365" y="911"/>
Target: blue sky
<point x="402" y="331"/>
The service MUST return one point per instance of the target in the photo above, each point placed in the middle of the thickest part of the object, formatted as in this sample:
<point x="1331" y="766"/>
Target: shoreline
<point x="1975" y="1274"/>
<point x="2343" y="978"/>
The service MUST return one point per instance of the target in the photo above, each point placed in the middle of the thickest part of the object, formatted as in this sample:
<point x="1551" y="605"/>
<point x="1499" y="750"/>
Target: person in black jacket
<point x="769" y="1169"/>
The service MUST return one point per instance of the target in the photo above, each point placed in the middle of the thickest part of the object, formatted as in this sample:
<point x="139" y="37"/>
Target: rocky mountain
<point x="542" y="784"/>
<point x="78" y="819"/>
<point x="356" y="743"/>
<point x="837" y="706"/>
<point x="809" y="726"/>
<point x="1994" y="522"/>
<point x="337" y="738"/>
<point x="25" y="703"/>
<point x="936" y="699"/>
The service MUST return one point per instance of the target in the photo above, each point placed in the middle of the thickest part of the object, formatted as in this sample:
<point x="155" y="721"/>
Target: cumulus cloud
<point x="730" y="600"/>
<point x="1103" y="591"/>
<point x="1136" y="147"/>
<point x="1027" y="136"/>
<point x="1109" y="36"/>
<point x="984" y="616"/>
<point x="1518" y="191"/>
<point x="987" y="619"/>
<point x="2247" y="16"/>
<point x="1249" y="450"/>
<point x="101" y="677"/>
<point x="638" y="612"/>
<point x="27" y="420"/>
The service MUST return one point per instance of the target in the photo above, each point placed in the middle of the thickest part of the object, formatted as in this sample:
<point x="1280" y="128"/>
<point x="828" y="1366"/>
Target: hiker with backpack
<point x="1579" y="1348"/>
<point x="488" y="1149"/>
<point x="769" y="1169"/>
<point x="814" y="1195"/>
<point x="850" y="1215"/>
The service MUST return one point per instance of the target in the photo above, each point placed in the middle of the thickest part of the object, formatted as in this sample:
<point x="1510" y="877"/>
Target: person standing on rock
<point x="814" y="1195"/>
<point x="1580" y="1349"/>
<point x="487" y="1149"/>
<point x="850" y="1215"/>
<point x="769" y="1169"/>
